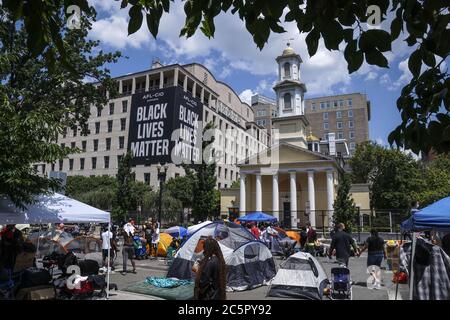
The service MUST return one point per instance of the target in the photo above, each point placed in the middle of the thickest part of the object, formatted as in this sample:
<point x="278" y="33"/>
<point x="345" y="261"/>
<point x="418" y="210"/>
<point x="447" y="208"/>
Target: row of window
<point x="110" y="124"/>
<point x="328" y="104"/>
<point x="225" y="176"/>
<point x="351" y="135"/>
<point x="338" y="114"/>
<point x="339" y="125"/>
<point x="82" y="164"/>
<point x="261" y="122"/>
<point x="112" y="107"/>
<point x="73" y="145"/>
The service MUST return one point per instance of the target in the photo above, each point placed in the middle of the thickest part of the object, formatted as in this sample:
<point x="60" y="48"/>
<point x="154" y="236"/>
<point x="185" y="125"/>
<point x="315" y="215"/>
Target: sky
<point x="233" y="58"/>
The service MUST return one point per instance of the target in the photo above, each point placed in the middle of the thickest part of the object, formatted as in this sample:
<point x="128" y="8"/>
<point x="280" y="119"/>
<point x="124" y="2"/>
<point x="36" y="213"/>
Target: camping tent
<point x="258" y="216"/>
<point x="53" y="208"/>
<point x="164" y="243"/>
<point x="300" y="276"/>
<point x="250" y="263"/>
<point x="176" y="232"/>
<point x="194" y="228"/>
<point x="435" y="216"/>
<point x="276" y="243"/>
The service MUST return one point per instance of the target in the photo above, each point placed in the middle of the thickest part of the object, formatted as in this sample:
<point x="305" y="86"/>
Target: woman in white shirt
<point x="155" y="238"/>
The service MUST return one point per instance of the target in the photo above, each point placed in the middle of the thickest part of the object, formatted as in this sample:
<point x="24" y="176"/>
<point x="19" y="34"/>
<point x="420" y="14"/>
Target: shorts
<point x="105" y="253"/>
<point x="128" y="252"/>
<point x="375" y="259"/>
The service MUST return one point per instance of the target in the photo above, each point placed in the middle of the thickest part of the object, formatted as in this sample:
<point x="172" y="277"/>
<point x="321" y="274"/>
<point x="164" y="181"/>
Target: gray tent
<point x="249" y="262"/>
<point x="300" y="276"/>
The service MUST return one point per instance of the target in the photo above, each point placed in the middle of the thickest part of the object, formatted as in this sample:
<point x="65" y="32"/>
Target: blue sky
<point x="233" y="58"/>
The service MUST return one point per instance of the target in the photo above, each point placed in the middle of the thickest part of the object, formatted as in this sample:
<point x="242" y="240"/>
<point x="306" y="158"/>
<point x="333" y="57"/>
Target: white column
<point x="194" y="89"/>
<point x="275" y="197"/>
<point x="330" y="196"/>
<point x="293" y="199"/>
<point x="258" y="205"/>
<point x="133" y="85"/>
<point x="242" y="196"/>
<point x="175" y="77"/>
<point x="161" y="79"/>
<point x="120" y="87"/>
<point x="311" y="199"/>
<point x="185" y="80"/>
<point x="147" y="82"/>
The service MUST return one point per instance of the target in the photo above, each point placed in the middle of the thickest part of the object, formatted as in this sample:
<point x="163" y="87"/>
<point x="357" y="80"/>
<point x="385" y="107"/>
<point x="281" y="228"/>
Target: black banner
<point x="165" y="127"/>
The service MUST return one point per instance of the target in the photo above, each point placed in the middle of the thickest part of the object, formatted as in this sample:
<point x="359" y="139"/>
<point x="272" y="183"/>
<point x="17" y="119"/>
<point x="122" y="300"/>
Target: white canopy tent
<point x="53" y="208"/>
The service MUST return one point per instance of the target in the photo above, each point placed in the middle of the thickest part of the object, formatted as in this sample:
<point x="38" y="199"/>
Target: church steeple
<point x="289" y="88"/>
<point x="290" y="121"/>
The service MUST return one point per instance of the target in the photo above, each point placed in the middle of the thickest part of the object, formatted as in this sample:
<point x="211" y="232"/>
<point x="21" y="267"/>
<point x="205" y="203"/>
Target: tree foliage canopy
<point x="344" y="206"/>
<point x="39" y="100"/>
<point x="424" y="103"/>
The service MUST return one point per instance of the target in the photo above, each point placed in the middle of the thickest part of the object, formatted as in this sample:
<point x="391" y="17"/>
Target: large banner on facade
<point x="165" y="127"/>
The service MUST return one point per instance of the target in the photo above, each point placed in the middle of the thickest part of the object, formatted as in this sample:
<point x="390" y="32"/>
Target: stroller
<point x="341" y="284"/>
<point x="139" y="250"/>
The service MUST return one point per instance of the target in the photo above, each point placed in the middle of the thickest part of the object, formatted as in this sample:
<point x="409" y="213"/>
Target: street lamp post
<point x="162" y="174"/>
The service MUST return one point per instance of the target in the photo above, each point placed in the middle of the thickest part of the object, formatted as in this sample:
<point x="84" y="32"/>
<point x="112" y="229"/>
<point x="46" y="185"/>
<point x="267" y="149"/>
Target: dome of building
<point x="288" y="51"/>
<point x="312" y="137"/>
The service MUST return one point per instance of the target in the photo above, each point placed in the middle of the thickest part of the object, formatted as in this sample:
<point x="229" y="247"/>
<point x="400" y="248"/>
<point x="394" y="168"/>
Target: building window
<point x="352" y="135"/>
<point x="226" y="173"/>
<point x="108" y="143"/>
<point x="219" y="185"/>
<point x="70" y="164"/>
<point x="83" y="145"/>
<point x="206" y="116"/>
<point x="106" y="158"/>
<point x="121" y="142"/>
<point x="123" y="124"/>
<point x="94" y="163"/>
<point x="335" y="104"/>
<point x="81" y="163"/>
<point x="325" y="116"/>
<point x="124" y="105"/>
<point x="53" y="167"/>
<point x="340" y="135"/>
<point x="73" y="145"/>
<point x="287" y="69"/>
<point x="110" y="125"/>
<point x="63" y="145"/>
<point x="95" y="144"/>
<point x="261" y="113"/>
<point x="229" y="97"/>
<point x="352" y="145"/>
<point x="349" y="102"/>
<point x="341" y="103"/>
<point x="111" y="108"/>
<point x="328" y="105"/>
<point x="64" y="132"/>
<point x="61" y="165"/>
<point x="287" y="101"/>
<point x="214" y="119"/>
<point x="339" y="125"/>
<point x="74" y="132"/>
<point x="147" y="178"/>
<point x="313" y="106"/>
<point x="119" y="159"/>
<point x="325" y="136"/>
<point x="326" y="126"/>
<point x="219" y="172"/>
<point x="97" y="127"/>
<point x="322" y="105"/>
<point x="350" y="124"/>
<point x="338" y="114"/>
<point x="99" y="111"/>
<point x="350" y="113"/>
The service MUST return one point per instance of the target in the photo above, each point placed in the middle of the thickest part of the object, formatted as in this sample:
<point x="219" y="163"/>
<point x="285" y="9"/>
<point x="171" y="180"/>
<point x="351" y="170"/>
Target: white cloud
<point x="246" y="96"/>
<point x="371" y="76"/>
<point x="380" y="141"/>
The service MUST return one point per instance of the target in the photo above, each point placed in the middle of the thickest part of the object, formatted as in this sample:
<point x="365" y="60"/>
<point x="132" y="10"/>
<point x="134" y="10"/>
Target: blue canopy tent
<point x="435" y="216"/>
<point x="258" y="216"/>
<point x="177" y="232"/>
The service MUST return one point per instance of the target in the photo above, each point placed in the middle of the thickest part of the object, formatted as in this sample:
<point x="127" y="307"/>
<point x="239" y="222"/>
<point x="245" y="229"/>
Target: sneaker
<point x="134" y="271"/>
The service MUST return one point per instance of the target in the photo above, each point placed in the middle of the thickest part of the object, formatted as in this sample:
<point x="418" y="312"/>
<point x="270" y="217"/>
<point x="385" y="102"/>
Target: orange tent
<point x="293" y="235"/>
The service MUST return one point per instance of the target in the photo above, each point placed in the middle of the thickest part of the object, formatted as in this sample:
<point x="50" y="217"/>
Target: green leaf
<point x="414" y="63"/>
<point x="375" y="57"/>
<point x="332" y="34"/>
<point x="375" y="38"/>
<point x="312" y="41"/>
<point x="396" y="28"/>
<point x="136" y="18"/>
<point x="446" y="134"/>
<point x="427" y="57"/>
<point x="208" y="27"/>
<point x="353" y="56"/>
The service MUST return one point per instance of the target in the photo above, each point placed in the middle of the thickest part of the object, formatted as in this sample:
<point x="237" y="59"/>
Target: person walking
<point x="155" y="238"/>
<point x="311" y="237"/>
<point x="210" y="279"/>
<point x="342" y="243"/>
<point x="255" y="231"/>
<point x="128" y="251"/>
<point x="375" y="249"/>
<point x="108" y="244"/>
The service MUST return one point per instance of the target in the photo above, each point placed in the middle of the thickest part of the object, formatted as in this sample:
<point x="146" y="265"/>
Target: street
<point x="158" y="268"/>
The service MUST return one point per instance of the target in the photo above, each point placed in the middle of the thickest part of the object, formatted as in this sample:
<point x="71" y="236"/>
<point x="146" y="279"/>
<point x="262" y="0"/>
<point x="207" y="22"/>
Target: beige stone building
<point x="264" y="109"/>
<point x="237" y="136"/>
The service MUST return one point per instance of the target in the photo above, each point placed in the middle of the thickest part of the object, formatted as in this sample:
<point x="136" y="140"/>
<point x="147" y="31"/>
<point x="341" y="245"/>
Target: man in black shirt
<point x="342" y="243"/>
